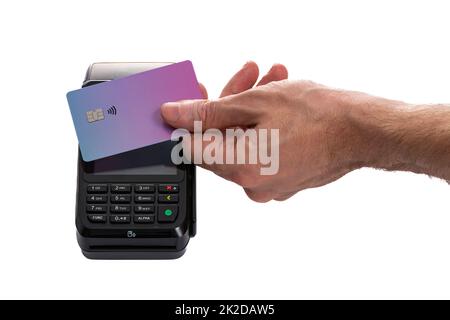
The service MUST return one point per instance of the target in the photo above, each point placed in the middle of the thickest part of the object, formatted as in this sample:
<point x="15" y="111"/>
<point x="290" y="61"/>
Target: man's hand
<point x="324" y="132"/>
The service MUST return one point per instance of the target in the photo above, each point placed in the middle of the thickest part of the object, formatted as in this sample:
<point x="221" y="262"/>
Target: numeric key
<point x="96" y="199"/>
<point x="92" y="208"/>
<point x="144" y="199"/>
<point x="119" y="219"/>
<point x="120" y="209"/>
<point x="144" y="188"/>
<point x="120" y="188"/>
<point x="97" y="188"/>
<point x="120" y="199"/>
<point x="144" y="209"/>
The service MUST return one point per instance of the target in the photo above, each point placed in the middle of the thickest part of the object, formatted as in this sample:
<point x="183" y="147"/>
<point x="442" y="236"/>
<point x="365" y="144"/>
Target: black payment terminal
<point x="137" y="204"/>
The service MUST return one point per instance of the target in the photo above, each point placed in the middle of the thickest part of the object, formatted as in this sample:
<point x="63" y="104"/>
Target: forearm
<point x="397" y="136"/>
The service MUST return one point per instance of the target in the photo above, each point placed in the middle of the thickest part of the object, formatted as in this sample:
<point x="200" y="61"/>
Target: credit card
<point x="124" y="114"/>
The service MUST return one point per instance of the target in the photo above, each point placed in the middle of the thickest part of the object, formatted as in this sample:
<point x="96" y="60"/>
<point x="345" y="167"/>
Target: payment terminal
<point x="137" y="204"/>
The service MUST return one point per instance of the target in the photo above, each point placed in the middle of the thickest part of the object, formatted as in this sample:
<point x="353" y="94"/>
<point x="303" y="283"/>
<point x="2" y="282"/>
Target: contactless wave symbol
<point x="112" y="110"/>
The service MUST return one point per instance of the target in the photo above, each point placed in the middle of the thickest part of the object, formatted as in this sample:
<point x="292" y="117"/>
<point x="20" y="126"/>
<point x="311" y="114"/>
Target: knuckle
<point x="205" y="111"/>
<point x="277" y="85"/>
<point x="306" y="84"/>
<point x="256" y="196"/>
<point x="272" y="94"/>
<point x="245" y="179"/>
<point x="316" y="96"/>
<point x="282" y="197"/>
<point x="253" y="96"/>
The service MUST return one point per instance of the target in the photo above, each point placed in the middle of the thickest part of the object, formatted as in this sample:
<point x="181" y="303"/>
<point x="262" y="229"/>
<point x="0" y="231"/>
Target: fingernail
<point x="171" y="111"/>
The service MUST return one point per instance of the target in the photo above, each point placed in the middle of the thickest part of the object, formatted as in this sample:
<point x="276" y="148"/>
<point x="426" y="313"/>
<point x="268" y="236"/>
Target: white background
<point x="371" y="234"/>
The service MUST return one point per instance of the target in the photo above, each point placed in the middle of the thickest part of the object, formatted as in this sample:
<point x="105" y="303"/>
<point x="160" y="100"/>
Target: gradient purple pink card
<point x="124" y="114"/>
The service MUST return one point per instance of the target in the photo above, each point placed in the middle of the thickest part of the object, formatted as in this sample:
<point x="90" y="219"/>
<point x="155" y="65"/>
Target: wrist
<point x="373" y="136"/>
<point x="365" y="131"/>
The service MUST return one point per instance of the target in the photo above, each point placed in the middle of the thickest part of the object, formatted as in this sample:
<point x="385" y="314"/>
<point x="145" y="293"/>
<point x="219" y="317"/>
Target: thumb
<point x="220" y="114"/>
